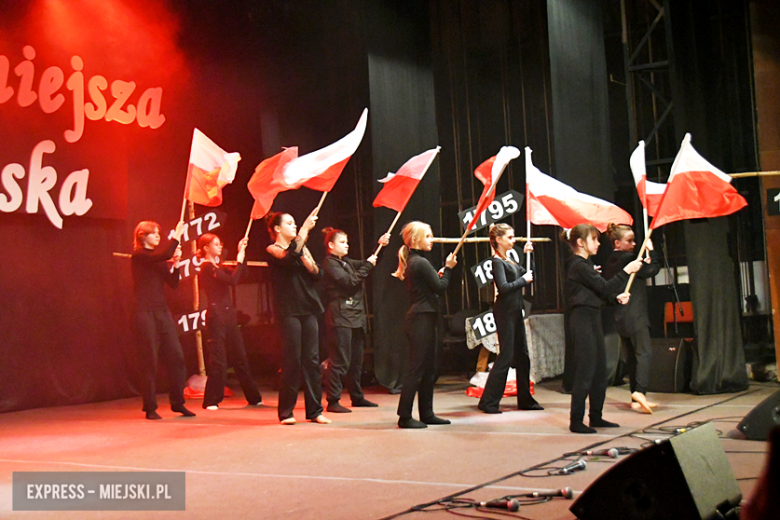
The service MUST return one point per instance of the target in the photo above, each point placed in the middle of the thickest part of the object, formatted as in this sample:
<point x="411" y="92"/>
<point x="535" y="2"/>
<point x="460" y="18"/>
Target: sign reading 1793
<point x="503" y="206"/>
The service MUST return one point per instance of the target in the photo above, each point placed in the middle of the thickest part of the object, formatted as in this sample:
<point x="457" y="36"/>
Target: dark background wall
<point x="469" y="76"/>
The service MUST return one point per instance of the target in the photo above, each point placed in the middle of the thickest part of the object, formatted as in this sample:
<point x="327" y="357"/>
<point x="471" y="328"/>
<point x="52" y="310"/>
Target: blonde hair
<point x="617" y="231"/>
<point x="413" y="234"/>
<point x="142" y="230"/>
<point x="582" y="231"/>
<point x="497" y="231"/>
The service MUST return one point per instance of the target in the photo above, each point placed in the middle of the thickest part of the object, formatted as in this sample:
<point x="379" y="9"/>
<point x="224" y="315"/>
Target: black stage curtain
<point x="403" y="124"/>
<point x="719" y="360"/>
<point x="581" y="140"/>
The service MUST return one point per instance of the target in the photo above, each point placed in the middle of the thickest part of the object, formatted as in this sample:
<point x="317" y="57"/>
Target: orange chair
<point x="670" y="309"/>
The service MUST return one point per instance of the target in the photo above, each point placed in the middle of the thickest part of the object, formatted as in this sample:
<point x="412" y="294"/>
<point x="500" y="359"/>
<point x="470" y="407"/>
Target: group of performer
<point x="294" y="274"/>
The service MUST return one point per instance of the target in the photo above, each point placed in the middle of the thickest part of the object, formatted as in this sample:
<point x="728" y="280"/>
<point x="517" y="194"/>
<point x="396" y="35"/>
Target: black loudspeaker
<point x="686" y="477"/>
<point x="671" y="368"/>
<point x="761" y="419"/>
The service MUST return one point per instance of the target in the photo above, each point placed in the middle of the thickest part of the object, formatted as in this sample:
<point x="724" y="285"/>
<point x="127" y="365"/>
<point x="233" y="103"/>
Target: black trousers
<point x="590" y="373"/>
<point x="513" y="349"/>
<point x="640" y="357"/>
<point x="225" y="348"/>
<point x="300" y="356"/>
<point x="156" y="333"/>
<point x="345" y="361"/>
<point x="420" y="377"/>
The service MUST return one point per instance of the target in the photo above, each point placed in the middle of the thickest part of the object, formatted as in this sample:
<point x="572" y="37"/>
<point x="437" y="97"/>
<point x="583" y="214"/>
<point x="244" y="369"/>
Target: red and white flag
<point x="399" y="187"/>
<point x="319" y="170"/>
<point x="551" y="202"/>
<point x="650" y="193"/>
<point x="488" y="173"/>
<point x="696" y="189"/>
<point x="267" y="182"/>
<point x="211" y="168"/>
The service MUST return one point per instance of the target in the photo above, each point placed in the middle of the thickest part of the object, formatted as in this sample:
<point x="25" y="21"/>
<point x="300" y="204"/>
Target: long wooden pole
<point x="248" y="227"/>
<point x="319" y="206"/>
<point x="196" y="304"/>
<point x="389" y="230"/>
<point x="528" y="234"/>
<point x="639" y="257"/>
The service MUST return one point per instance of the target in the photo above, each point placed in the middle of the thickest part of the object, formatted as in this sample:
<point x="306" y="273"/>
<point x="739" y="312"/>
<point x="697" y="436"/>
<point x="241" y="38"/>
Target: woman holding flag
<point x="585" y="292"/>
<point x="509" y="279"/>
<point x="296" y="305"/>
<point x="345" y="318"/>
<point x="224" y="337"/>
<point x="154" y="328"/>
<point x="632" y="320"/>
<point x="424" y="285"/>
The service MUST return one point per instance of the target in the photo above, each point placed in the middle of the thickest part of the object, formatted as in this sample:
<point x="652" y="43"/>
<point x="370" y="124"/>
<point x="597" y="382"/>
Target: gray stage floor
<point x="241" y="463"/>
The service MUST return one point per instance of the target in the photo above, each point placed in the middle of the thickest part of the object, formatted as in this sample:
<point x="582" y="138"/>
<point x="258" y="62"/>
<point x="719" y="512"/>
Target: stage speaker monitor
<point x="761" y="419"/>
<point x="686" y="477"/>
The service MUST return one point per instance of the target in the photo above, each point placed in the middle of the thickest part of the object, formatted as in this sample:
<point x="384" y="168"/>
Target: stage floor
<point x="241" y="463"/>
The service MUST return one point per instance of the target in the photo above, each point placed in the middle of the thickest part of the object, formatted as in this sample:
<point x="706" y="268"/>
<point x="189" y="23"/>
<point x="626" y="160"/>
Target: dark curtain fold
<point x="719" y="361"/>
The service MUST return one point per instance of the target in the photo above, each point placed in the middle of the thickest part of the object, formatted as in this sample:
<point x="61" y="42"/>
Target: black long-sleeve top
<point x="509" y="282"/>
<point x="634" y="315"/>
<point x="150" y="272"/>
<point x="586" y="287"/>
<point x="423" y="283"/>
<point x="294" y="293"/>
<point x="216" y="282"/>
<point x="342" y="281"/>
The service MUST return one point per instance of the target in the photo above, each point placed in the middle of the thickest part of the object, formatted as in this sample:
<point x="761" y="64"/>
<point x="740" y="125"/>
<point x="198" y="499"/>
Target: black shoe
<point x="534" y="406"/>
<point x="335" y="407"/>
<point x="153" y="416"/>
<point x="408" y="422"/>
<point x="579" y="427"/>
<point x="363" y="403"/>
<point x="488" y="409"/>
<point x="435" y="420"/>
<point x="601" y="423"/>
<point x="182" y="410"/>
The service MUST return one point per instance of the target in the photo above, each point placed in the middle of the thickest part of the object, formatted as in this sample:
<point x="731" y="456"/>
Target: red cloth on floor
<point x="509" y="391"/>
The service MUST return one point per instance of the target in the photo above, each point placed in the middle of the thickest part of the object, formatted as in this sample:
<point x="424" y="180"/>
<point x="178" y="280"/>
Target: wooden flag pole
<point x="248" y="227"/>
<point x="183" y="207"/>
<point x="644" y="216"/>
<point x="639" y="257"/>
<point x="528" y="235"/>
<point x="389" y="230"/>
<point x="322" y="199"/>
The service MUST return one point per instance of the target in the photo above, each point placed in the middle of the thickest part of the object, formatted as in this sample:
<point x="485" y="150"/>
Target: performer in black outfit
<point x="424" y="285"/>
<point x="345" y="318"/>
<point x="586" y="291"/>
<point x="154" y="328"/>
<point x="632" y="320"/>
<point x="509" y="279"/>
<point x="225" y="343"/>
<point x="296" y="305"/>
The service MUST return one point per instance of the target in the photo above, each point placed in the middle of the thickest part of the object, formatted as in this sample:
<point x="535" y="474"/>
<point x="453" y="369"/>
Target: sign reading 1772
<point x="503" y="206"/>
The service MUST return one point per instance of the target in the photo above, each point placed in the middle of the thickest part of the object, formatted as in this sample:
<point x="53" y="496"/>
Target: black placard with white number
<point x="483" y="271"/>
<point x="773" y="201"/>
<point x="201" y="225"/>
<point x="483" y="324"/>
<point x="189" y="267"/>
<point x="504" y="205"/>
<point x="191" y="322"/>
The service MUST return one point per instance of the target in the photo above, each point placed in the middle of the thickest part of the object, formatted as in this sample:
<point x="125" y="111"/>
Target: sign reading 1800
<point x="503" y="206"/>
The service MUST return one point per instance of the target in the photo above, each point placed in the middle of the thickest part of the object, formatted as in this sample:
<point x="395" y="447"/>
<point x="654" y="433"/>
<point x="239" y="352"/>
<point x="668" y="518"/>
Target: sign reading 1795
<point x="503" y="206"/>
<point x="773" y="195"/>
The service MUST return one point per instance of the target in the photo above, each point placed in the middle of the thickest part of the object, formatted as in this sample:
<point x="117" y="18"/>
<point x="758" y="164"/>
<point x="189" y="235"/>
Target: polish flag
<point x="551" y="202"/>
<point x="267" y="182"/>
<point x="488" y="173"/>
<point x="399" y="187"/>
<point x="696" y="189"/>
<point x="650" y="193"/>
<point x="211" y="168"/>
<point x="319" y="170"/>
